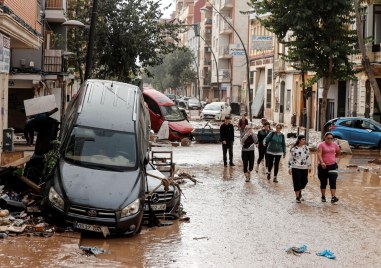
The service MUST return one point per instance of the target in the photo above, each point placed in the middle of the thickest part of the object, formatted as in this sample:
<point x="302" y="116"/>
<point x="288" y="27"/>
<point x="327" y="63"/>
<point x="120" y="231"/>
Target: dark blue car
<point x="357" y="131"/>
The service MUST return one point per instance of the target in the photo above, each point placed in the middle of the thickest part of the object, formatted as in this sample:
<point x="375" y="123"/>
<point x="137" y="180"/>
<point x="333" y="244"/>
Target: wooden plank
<point x="18" y="162"/>
<point x="9" y="157"/>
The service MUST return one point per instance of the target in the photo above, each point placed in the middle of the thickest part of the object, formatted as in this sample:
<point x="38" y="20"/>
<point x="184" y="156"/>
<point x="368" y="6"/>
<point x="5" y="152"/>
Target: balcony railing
<point x="54" y="4"/>
<point x="225" y="27"/>
<point x="225" y="75"/>
<point x="53" y="60"/>
<point x="226" y="5"/>
<point x="224" y="52"/>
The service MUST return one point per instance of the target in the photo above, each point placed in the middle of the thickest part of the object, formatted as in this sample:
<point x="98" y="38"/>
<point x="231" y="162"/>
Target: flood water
<point x="237" y="224"/>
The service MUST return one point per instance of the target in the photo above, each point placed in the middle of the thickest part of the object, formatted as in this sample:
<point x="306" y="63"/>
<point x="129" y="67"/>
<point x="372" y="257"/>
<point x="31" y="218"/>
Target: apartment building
<point x="360" y="96"/>
<point x="20" y="30"/>
<point x="229" y="25"/>
<point x="41" y="71"/>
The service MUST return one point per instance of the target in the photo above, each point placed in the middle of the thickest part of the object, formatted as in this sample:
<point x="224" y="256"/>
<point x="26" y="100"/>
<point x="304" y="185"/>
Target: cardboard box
<point x="39" y="105"/>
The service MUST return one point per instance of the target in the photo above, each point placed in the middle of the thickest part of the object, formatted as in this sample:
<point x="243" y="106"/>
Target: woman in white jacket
<point x="298" y="165"/>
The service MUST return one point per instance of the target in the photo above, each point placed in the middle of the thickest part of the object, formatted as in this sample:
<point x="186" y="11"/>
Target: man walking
<point x="227" y="139"/>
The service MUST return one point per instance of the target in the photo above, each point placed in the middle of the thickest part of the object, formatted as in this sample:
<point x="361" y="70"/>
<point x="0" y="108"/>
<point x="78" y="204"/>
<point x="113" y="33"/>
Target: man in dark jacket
<point x="261" y="148"/>
<point x="227" y="139"/>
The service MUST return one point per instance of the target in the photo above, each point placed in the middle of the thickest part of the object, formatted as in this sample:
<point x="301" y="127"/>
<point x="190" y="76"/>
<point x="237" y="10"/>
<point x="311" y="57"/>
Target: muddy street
<point x="236" y="224"/>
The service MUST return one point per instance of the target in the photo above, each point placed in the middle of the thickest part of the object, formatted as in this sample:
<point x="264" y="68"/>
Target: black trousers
<point x="248" y="161"/>
<point x="299" y="178"/>
<point x="329" y="173"/>
<point x="262" y="154"/>
<point x="273" y="160"/>
<point x="225" y="148"/>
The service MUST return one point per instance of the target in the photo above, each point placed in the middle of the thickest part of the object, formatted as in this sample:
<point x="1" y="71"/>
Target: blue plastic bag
<point x="327" y="253"/>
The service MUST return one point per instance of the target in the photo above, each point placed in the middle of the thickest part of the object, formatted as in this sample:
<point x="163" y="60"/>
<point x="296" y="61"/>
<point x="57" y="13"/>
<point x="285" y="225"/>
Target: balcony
<point x="225" y="27"/>
<point x="373" y="53"/>
<point x="53" y="60"/>
<point x="206" y="82"/>
<point x="225" y="75"/>
<point x="207" y="62"/>
<point x="54" y="4"/>
<point x="55" y="11"/>
<point x="224" y="53"/>
<point x="279" y="66"/>
<point x="226" y="5"/>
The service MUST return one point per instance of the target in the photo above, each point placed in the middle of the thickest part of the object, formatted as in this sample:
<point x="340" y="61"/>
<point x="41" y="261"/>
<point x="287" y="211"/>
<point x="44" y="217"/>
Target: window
<point x="377" y="24"/>
<point x="364" y="19"/>
<point x="288" y="100"/>
<point x="268" y="98"/>
<point x="101" y="148"/>
<point x="269" y="76"/>
<point x="349" y="123"/>
<point x="152" y="105"/>
<point x="251" y="77"/>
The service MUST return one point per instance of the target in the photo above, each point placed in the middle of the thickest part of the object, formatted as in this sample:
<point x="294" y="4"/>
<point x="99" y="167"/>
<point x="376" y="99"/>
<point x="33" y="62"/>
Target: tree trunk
<point x="365" y="60"/>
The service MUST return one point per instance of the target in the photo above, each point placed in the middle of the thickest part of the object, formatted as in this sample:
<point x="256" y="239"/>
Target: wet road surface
<point x="238" y="224"/>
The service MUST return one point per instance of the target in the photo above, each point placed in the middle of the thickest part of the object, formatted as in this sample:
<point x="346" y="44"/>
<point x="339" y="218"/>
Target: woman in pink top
<point x="328" y="151"/>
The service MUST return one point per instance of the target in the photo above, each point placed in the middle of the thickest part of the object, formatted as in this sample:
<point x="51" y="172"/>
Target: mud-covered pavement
<point x="236" y="224"/>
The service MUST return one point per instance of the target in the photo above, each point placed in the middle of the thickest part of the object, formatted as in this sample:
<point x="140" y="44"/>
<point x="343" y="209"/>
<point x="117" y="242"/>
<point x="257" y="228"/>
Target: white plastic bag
<point x="163" y="133"/>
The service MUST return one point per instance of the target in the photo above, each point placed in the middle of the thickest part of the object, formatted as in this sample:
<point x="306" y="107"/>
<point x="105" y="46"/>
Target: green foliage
<point x="175" y="70"/>
<point x="129" y="35"/>
<point x="51" y="159"/>
<point x="317" y="33"/>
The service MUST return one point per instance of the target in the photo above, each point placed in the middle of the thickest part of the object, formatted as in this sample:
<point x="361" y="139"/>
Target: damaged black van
<point x="99" y="182"/>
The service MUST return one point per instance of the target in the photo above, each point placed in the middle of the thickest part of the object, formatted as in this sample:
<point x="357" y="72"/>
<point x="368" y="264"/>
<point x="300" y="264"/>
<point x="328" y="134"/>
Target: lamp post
<point x="243" y="46"/>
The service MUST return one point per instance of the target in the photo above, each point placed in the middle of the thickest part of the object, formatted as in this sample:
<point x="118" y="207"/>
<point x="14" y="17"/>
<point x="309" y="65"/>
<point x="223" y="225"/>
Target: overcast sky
<point x="168" y="12"/>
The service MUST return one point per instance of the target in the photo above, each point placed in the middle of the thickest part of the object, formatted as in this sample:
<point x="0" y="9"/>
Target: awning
<point x="24" y="76"/>
<point x="259" y="95"/>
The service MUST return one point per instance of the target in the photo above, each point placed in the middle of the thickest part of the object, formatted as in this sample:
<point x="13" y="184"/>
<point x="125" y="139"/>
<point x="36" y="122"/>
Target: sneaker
<point x="334" y="199"/>
<point x="298" y="200"/>
<point x="247" y="177"/>
<point x="275" y="180"/>
<point x="231" y="164"/>
<point x="323" y="199"/>
<point x="256" y="168"/>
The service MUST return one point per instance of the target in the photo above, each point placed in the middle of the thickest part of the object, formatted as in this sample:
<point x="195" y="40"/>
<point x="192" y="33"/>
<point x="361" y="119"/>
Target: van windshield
<point x="172" y="113"/>
<point x="101" y="148"/>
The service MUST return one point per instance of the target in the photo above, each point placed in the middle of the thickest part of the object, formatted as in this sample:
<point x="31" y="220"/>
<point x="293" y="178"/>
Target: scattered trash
<point x="184" y="218"/>
<point x="92" y="250"/>
<point x="327" y="253"/>
<point x="297" y="250"/>
<point x="201" y="238"/>
<point x="3" y="235"/>
<point x="352" y="166"/>
<point x="181" y="175"/>
<point x="185" y="142"/>
<point x="375" y="161"/>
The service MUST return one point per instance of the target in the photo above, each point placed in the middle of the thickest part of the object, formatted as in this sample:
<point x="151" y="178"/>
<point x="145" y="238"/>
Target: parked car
<point x="99" y="182"/>
<point x="193" y="104"/>
<point x="215" y="111"/>
<point x="163" y="204"/>
<point x="357" y="131"/>
<point x="161" y="109"/>
<point x="183" y="102"/>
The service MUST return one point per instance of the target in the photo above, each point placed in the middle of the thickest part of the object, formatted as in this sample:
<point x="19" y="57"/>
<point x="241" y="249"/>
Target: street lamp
<point x="243" y="46"/>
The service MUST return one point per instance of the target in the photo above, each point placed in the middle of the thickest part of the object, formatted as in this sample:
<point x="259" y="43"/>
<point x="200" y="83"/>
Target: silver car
<point x="215" y="111"/>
